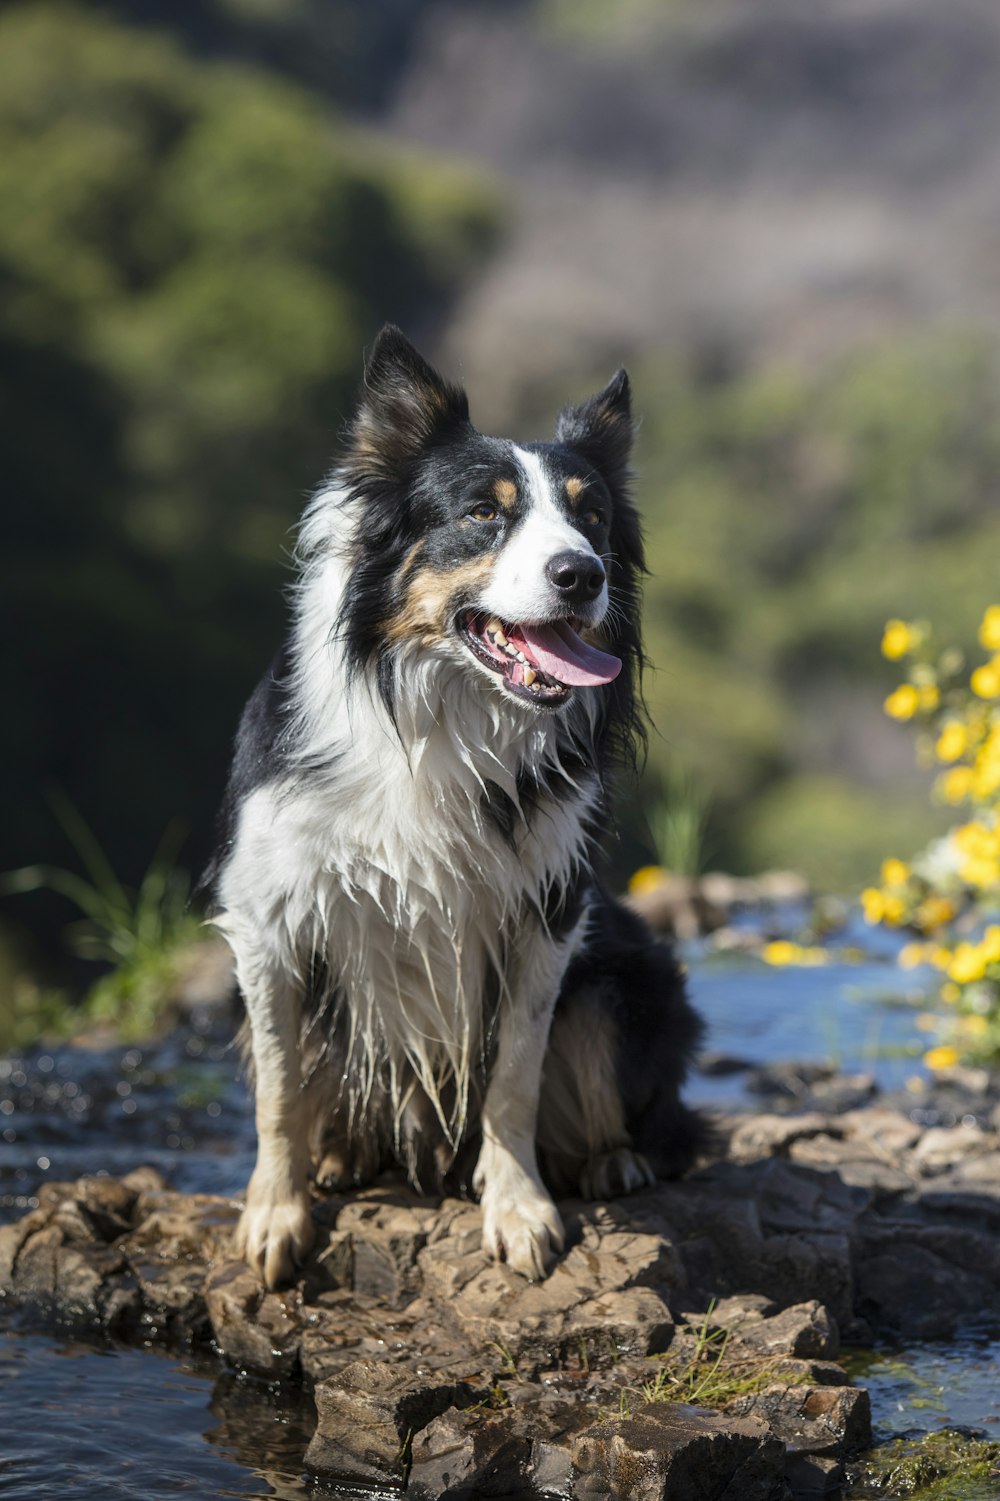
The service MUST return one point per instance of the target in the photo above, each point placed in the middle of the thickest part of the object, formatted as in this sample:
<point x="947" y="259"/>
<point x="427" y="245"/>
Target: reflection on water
<point x="933" y="1386"/>
<point x="105" y="1421"/>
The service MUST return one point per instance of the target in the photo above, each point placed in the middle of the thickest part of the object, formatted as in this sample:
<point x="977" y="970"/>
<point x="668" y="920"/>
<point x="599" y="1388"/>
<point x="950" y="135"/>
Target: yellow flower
<point x="955" y="785"/>
<point x="895" y="872"/>
<point x="941" y="1057"/>
<point x="930" y="697"/>
<point x="911" y="955"/>
<point x="898" y="639"/>
<point x="989" y="945"/>
<point x="967" y="964"/>
<point x="780" y="952"/>
<point x="941" y="957"/>
<point x="646" y="879"/>
<point x="904" y="702"/>
<point x="933" y="913"/>
<point x="952" y="742"/>
<point x="893" y="910"/>
<point x="950" y="992"/>
<point x="989" y="630"/>
<point x="873" y="904"/>
<point x="985" y="681"/>
<point x="974" y="1026"/>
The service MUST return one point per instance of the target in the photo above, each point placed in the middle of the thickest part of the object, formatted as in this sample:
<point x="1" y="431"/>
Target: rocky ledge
<point x="685" y="1345"/>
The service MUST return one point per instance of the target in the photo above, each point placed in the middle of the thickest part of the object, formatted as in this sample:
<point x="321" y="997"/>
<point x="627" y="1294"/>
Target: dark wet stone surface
<point x="421" y="1352"/>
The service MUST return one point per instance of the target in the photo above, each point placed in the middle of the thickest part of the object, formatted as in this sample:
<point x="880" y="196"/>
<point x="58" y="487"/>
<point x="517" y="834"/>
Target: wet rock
<point x="521" y="1449"/>
<point x="811" y="1477"/>
<point x="803" y="1331"/>
<point x="367" y="1415"/>
<point x="922" y="1281"/>
<point x="597" y="1304"/>
<point x="826" y="1420"/>
<point x="255" y="1330"/>
<point x="669" y="1452"/>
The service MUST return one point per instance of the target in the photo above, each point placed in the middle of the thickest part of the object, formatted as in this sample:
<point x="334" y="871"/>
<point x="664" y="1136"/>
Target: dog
<point x="432" y="972"/>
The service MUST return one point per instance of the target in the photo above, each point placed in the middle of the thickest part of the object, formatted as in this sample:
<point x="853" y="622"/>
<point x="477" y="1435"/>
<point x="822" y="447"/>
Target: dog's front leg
<point x="275" y="1229"/>
<point x="521" y="1224"/>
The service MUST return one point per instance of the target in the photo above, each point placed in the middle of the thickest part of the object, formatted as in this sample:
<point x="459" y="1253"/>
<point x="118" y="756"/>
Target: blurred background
<point x="783" y="218"/>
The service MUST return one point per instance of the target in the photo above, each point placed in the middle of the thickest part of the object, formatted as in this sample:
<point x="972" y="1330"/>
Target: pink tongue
<point x="565" y="656"/>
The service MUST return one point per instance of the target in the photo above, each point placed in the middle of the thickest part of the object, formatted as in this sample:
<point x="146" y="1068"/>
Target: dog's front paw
<point x="525" y="1232"/>
<point x="621" y="1171"/>
<point x="274" y="1234"/>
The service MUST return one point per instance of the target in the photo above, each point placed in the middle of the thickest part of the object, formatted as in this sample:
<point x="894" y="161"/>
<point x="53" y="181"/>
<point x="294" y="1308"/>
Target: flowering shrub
<point x="947" y="896"/>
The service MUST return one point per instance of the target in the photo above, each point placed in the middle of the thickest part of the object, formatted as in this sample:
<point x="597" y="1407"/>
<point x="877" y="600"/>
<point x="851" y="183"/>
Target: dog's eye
<point x="484" y="512"/>
<point x="592" y="518"/>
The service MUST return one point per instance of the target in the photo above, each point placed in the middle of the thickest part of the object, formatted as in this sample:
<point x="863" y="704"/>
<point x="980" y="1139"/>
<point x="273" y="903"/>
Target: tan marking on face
<point x="574" y="488"/>
<point x="410" y="560"/>
<point x="431" y="600"/>
<point x="505" y="492"/>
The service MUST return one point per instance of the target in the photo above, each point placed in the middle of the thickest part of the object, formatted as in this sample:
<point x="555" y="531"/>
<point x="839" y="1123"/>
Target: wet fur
<point x="433" y="975"/>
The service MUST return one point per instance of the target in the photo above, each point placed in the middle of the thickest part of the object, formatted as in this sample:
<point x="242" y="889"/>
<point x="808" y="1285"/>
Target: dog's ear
<point x="404" y="407"/>
<point x="601" y="431"/>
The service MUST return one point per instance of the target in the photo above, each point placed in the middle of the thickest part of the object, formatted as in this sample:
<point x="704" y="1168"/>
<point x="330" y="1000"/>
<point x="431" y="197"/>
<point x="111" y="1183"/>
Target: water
<point x="106" y="1421"/>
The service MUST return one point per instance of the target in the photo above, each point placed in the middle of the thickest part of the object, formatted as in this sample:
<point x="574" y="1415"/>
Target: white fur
<point x="519" y="589"/>
<point x="383" y="860"/>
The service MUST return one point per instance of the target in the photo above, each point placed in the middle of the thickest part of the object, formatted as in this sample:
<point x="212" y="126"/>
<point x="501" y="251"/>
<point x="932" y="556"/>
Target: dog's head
<point x="519" y="562"/>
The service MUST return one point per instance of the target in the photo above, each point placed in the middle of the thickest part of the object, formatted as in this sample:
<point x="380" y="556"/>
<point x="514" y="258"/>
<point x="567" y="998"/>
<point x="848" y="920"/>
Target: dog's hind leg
<point x="275" y="1230"/>
<point x="583" y="1139"/>
<point x="611" y="1116"/>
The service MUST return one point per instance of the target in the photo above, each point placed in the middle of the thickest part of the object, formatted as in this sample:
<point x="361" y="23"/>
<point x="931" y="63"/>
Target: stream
<point x="102" y="1420"/>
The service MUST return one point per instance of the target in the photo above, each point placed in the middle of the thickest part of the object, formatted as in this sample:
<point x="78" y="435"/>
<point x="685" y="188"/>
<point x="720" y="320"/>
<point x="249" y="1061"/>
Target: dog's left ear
<point x="404" y="407"/>
<point x="601" y="430"/>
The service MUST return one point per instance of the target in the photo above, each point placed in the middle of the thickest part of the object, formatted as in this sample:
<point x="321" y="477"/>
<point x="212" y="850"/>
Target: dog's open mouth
<point x="541" y="663"/>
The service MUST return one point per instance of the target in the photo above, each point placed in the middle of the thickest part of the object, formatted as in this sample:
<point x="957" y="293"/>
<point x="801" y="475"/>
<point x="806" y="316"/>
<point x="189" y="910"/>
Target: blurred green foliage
<point x="192" y="257"/>
<point x="194" y="251"/>
<point x="788" y="516"/>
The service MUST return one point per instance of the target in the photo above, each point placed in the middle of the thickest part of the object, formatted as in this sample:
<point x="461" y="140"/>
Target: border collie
<point x="432" y="973"/>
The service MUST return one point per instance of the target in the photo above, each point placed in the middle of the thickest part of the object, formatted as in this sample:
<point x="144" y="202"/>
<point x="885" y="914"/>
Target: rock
<point x="940" y="1147"/>
<point x="804" y="1331"/>
<point x="678" y="905"/>
<point x="522" y="1449"/>
<point x="813" y="1476"/>
<point x="669" y="1452"/>
<point x="826" y="1420"/>
<point x="843" y="1092"/>
<point x="883" y="1128"/>
<point x="721" y="1065"/>
<point x="922" y="1281"/>
<point x="856" y="1164"/>
<point x="255" y="1330"/>
<point x="755" y="1137"/>
<point x="367" y="1415"/>
<point x="793" y="1080"/>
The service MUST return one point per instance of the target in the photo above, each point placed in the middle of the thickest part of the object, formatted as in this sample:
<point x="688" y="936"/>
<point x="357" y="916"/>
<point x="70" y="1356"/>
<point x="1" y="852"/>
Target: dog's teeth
<point x="520" y="656"/>
<point x="495" y="632"/>
<point x="529" y="676"/>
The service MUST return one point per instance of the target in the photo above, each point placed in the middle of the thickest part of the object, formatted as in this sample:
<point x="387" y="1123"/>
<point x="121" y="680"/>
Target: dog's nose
<point x="578" y="576"/>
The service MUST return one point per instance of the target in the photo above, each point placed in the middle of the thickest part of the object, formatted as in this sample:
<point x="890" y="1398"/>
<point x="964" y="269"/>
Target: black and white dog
<point x="405" y="870"/>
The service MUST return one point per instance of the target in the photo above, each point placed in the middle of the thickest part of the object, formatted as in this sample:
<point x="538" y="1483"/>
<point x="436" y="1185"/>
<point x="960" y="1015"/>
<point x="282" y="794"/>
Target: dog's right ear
<point x="404" y="407"/>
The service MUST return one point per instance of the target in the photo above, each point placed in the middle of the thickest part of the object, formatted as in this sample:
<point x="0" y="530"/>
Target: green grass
<point x="141" y="935"/>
